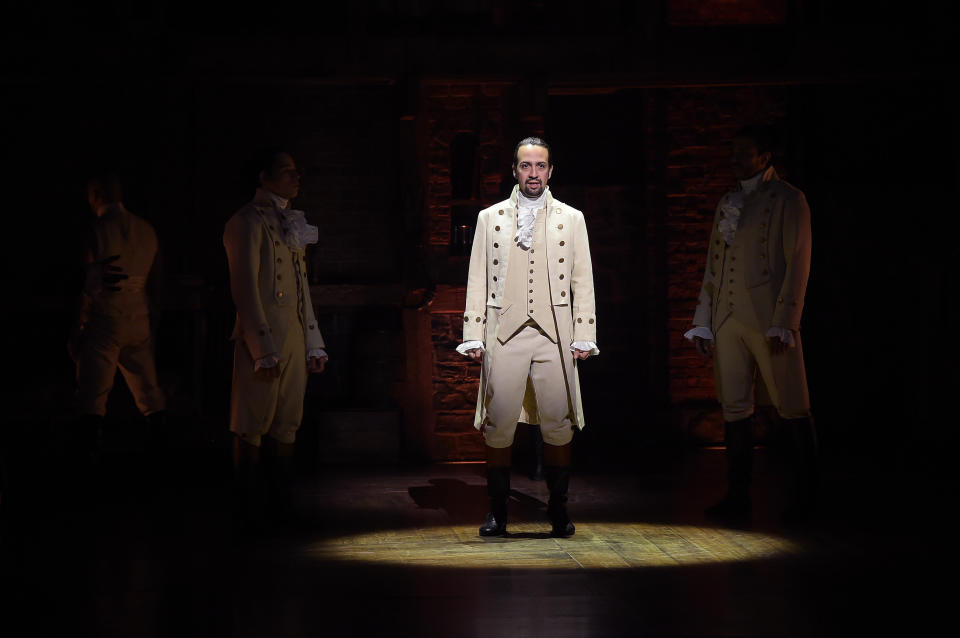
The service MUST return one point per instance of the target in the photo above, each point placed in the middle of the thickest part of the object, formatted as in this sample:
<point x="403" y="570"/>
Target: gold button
<point x="531" y="271"/>
<point x="731" y="270"/>
<point x="493" y="295"/>
<point x="280" y="294"/>
<point x="501" y="212"/>
<point x="276" y="243"/>
<point x="531" y="301"/>
<point x="561" y="260"/>
<point x="496" y="228"/>
<point x="279" y="277"/>
<point x="591" y="321"/>
<point x="779" y="299"/>
<point x="561" y="276"/>
<point x="494" y="277"/>
<point x="496" y="245"/>
<point x="279" y="260"/>
<point x="579" y="319"/>
<point x="531" y="281"/>
<point x="496" y="261"/>
<point x="531" y="262"/>
<point x="559" y="226"/>
<point x="562" y="243"/>
<point x="466" y="318"/>
<point x="478" y="319"/>
<point x="531" y="251"/>
<point x="563" y="293"/>
<point x="530" y="291"/>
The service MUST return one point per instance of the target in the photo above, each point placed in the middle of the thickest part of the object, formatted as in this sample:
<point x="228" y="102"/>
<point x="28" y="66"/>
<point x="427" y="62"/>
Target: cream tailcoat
<point x="268" y="281"/>
<point x="570" y="277"/>
<point x="762" y="277"/>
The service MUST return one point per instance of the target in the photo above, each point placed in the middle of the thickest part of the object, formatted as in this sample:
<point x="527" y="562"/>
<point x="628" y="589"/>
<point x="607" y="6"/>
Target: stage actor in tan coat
<point x="277" y="339"/>
<point x="113" y="327"/>
<point x="530" y="316"/>
<point x="750" y="305"/>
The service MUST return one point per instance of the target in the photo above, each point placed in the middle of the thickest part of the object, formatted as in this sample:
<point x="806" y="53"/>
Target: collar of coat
<point x="769" y="176"/>
<point x="265" y="198"/>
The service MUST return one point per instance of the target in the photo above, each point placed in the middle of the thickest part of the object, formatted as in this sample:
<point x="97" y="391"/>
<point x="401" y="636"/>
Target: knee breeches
<point x="528" y="359"/>
<point x="741" y="353"/>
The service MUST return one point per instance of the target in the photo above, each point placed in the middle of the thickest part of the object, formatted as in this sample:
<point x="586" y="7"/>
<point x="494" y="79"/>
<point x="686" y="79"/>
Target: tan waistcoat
<point x="526" y="294"/>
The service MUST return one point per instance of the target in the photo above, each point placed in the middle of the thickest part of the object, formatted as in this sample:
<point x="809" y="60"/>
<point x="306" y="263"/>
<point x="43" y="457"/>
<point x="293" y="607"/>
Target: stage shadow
<point x="465" y="503"/>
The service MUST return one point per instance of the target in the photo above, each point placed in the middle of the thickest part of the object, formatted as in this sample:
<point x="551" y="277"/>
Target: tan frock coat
<point x="115" y="324"/>
<point x="757" y="283"/>
<point x="268" y="281"/>
<point x="570" y="290"/>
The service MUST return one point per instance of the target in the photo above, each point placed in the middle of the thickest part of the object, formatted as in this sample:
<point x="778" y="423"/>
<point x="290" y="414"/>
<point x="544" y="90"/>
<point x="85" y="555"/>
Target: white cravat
<point x="527" y="217"/>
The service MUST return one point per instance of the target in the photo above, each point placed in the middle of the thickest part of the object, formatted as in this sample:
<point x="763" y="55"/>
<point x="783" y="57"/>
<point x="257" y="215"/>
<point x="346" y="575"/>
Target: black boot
<point x="558" y="482"/>
<point x="498" y="489"/>
<point x="806" y="475"/>
<point x="735" y="507"/>
<point x="280" y="475"/>
<point x="536" y="474"/>
<point x="248" y="492"/>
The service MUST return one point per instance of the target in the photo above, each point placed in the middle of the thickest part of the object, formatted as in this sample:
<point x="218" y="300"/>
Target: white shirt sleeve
<point x="586" y="346"/>
<point x="470" y="345"/>
<point x="700" y="331"/>
<point x="317" y="353"/>
<point x="784" y="334"/>
<point x="269" y="361"/>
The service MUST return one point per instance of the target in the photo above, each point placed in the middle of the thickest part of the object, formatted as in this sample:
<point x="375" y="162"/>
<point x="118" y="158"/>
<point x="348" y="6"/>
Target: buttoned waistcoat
<point x="761" y="278"/>
<point x="568" y="280"/>
<point x="268" y="280"/>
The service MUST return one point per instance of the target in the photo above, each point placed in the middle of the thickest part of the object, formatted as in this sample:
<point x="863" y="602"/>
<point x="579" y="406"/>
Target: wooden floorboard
<point x="395" y="551"/>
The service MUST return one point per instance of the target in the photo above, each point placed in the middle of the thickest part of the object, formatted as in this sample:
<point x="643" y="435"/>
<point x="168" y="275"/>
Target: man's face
<point x="284" y="179"/>
<point x="745" y="159"/>
<point x="532" y="170"/>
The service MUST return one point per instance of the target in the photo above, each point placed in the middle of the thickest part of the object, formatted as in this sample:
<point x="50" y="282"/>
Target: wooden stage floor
<point x="394" y="552"/>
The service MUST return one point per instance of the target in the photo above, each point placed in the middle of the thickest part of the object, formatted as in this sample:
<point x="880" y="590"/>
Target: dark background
<point x="403" y="116"/>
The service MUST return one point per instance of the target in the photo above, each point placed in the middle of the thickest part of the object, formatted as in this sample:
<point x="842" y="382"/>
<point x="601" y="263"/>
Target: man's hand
<point x="476" y="354"/>
<point x="104" y="274"/>
<point x="777" y="346"/>
<point x="580" y="354"/>
<point x="316" y="365"/>
<point x="704" y="346"/>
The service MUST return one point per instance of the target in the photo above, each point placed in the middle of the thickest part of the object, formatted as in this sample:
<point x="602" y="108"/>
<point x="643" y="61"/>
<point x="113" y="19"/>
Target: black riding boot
<point x="806" y="475"/>
<point x="738" y="439"/>
<point x="558" y="482"/>
<point x="498" y="489"/>
<point x="248" y="496"/>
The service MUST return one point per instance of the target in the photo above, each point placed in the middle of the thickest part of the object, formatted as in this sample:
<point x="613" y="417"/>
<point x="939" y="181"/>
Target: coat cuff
<point x="585" y="326"/>
<point x="699" y="331"/>
<point x="473" y="326"/>
<point x="469" y="345"/>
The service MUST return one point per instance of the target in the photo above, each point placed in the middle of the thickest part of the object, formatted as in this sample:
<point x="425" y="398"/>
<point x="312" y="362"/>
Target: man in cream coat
<point x="530" y="316"/>
<point x="113" y="327"/>
<point x="750" y="304"/>
<point x="277" y="340"/>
